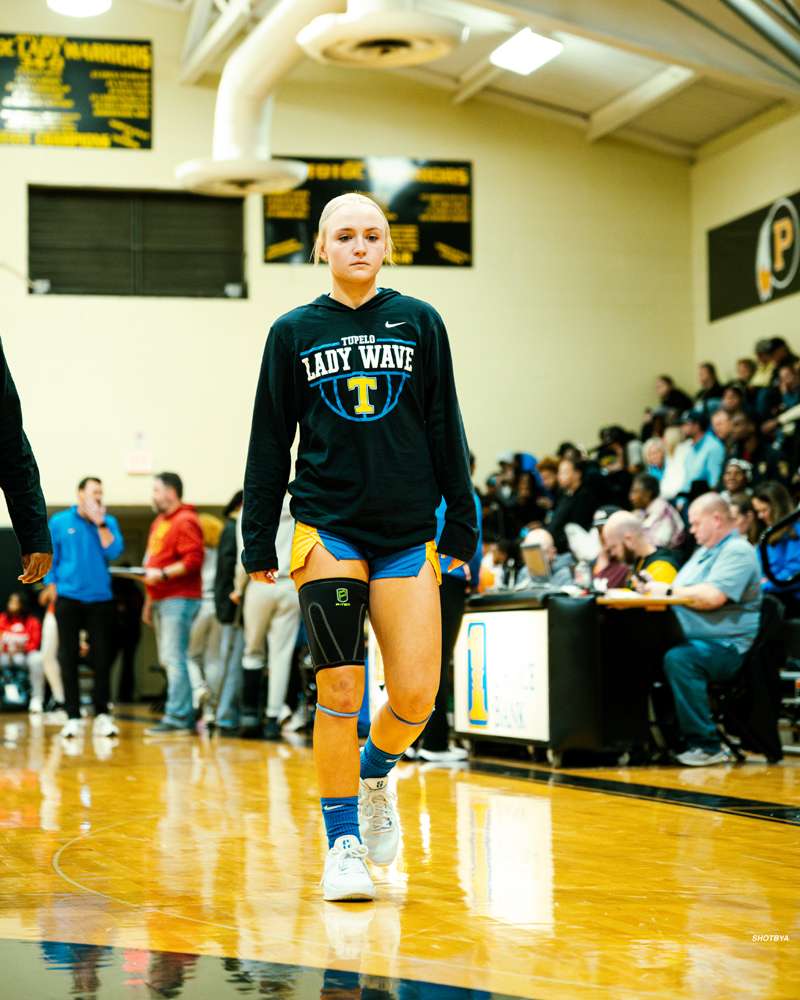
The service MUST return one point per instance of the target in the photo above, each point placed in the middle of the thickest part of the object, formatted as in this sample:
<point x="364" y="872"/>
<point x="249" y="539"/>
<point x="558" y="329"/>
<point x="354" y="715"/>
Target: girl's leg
<point x="339" y="689"/>
<point x="406" y="616"/>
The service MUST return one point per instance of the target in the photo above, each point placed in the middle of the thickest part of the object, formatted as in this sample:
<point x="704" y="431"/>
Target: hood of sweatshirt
<point x="384" y="295"/>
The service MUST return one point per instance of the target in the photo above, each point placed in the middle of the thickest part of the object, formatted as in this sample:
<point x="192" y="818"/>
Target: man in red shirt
<point x="174" y="588"/>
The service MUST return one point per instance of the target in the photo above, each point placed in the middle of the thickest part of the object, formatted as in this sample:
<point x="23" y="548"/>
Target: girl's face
<point x="548" y="478"/>
<point x="761" y="507"/>
<point x="354" y="243"/>
<point x="734" y="479"/>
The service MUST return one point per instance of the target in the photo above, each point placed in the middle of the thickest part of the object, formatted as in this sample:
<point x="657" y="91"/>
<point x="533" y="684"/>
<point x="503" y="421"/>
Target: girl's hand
<point x="264" y="576"/>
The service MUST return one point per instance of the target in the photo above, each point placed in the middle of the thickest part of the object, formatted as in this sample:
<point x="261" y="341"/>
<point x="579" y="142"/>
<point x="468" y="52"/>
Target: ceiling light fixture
<point x="525" y="52"/>
<point x="79" y="8"/>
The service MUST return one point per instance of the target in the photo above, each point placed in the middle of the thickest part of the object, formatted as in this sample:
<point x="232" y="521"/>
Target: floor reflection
<point x="89" y="972"/>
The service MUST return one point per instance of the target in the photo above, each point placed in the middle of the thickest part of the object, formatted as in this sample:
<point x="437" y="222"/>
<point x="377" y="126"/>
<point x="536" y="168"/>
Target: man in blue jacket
<point x="85" y="540"/>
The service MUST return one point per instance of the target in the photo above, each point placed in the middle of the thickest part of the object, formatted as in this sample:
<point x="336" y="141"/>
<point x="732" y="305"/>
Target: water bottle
<point x="583" y="575"/>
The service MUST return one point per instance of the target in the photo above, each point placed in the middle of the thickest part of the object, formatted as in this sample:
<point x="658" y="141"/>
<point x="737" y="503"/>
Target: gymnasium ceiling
<point x="683" y="77"/>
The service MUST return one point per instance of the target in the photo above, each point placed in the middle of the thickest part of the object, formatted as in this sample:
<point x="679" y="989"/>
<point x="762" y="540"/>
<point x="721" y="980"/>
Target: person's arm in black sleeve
<point x="19" y="474"/>
<point x="448" y="447"/>
<point x="268" y="457"/>
<point x="224" y="607"/>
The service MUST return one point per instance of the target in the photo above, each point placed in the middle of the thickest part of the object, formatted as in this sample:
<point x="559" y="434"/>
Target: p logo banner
<point x="778" y="252"/>
<point x="476" y="674"/>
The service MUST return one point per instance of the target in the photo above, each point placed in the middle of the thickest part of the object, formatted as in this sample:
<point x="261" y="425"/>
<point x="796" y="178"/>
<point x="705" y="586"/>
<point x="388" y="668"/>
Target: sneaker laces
<point x="377" y="808"/>
<point x="349" y="861"/>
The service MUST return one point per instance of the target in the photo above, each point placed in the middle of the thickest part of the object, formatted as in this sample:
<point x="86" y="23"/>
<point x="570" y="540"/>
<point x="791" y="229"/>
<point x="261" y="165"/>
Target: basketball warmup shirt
<point x="381" y="437"/>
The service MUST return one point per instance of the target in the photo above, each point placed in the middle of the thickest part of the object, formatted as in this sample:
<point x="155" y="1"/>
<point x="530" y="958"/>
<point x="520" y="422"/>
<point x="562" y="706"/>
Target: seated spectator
<point x="772" y="502"/>
<point x="576" y="504"/>
<point x="612" y="457"/>
<point x="626" y="541"/>
<point x="608" y="573"/>
<point x="670" y="397"/>
<point x="765" y="458"/>
<point x="523" y="509"/>
<point x="762" y="378"/>
<point x="744" y="517"/>
<point x="722" y="427"/>
<point x="655" y="457"/>
<point x="660" y="521"/>
<point x="780" y="399"/>
<point x="736" y="478"/>
<point x="506" y="478"/>
<point x="745" y="370"/>
<point x="560" y="563"/>
<point x="779" y="353"/>
<point x="733" y="399"/>
<point x="548" y="473"/>
<point x="506" y="563"/>
<point x="703" y="460"/>
<point x="722" y="578"/>
<point x="20" y="638"/>
<point x="710" y="389"/>
<point x="675" y="470"/>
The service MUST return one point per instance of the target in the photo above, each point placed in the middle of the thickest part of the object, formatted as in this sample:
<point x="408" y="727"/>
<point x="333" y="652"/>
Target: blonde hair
<point x="351" y="198"/>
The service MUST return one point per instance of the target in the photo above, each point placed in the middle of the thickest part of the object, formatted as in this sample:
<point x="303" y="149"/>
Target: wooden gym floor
<point x="138" y="868"/>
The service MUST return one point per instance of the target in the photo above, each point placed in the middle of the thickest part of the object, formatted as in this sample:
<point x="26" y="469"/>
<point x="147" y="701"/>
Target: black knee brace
<point x="333" y="613"/>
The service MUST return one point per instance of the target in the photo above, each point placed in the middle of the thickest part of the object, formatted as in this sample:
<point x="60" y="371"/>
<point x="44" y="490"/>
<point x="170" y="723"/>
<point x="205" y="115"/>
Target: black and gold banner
<point x="754" y="260"/>
<point x="428" y="204"/>
<point x="82" y="92"/>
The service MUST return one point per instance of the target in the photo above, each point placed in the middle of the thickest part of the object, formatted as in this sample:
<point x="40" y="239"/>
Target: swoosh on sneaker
<point x="390" y="325"/>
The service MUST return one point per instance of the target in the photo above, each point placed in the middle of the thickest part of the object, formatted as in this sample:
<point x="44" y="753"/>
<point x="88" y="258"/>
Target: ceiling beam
<point x="658" y="88"/>
<point x="666" y="48"/>
<point x="475" y="79"/>
<point x="218" y="37"/>
<point x="199" y="23"/>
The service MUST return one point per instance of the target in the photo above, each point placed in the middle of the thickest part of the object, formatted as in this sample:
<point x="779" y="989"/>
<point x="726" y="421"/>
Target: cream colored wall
<point x="725" y="187"/>
<point x="580" y="292"/>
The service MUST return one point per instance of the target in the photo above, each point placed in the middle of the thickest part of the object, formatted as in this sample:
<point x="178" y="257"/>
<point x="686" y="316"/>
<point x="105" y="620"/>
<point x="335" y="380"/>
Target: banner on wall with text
<point x="428" y="204"/>
<point x="754" y="260"/>
<point x="90" y="93"/>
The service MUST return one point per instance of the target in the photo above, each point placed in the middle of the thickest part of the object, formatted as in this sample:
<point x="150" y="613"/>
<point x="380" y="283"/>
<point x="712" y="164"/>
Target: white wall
<point x="741" y="180"/>
<point x="580" y="292"/>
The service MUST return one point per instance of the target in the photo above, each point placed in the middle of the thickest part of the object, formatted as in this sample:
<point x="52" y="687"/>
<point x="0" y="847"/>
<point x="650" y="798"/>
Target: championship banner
<point x="427" y="202"/>
<point x="87" y="92"/>
<point x="755" y="259"/>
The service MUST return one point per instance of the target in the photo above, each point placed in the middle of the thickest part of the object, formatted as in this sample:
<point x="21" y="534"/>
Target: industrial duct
<point x="241" y="163"/>
<point x="371" y="33"/>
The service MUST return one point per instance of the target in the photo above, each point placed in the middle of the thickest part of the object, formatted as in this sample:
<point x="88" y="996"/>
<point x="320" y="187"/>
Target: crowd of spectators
<point x="740" y="439"/>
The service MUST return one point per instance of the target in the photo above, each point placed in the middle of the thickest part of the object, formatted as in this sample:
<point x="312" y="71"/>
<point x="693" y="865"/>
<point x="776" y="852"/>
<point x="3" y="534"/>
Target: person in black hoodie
<point x="19" y="481"/>
<point x="366" y="374"/>
<point x="577" y="503"/>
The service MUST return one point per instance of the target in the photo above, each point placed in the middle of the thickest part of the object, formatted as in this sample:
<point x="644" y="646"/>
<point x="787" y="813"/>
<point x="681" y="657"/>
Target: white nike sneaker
<point x="73" y="728"/>
<point x="104" y="726"/>
<point x="345" y="876"/>
<point x="377" y="820"/>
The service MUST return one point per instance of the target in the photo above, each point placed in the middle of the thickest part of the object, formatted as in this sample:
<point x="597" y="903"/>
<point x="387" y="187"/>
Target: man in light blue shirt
<point x="705" y="456"/>
<point x="85" y="540"/>
<point x="723" y="579"/>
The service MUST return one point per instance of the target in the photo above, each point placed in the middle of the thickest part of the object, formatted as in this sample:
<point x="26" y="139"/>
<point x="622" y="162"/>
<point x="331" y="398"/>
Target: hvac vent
<point x="380" y="37"/>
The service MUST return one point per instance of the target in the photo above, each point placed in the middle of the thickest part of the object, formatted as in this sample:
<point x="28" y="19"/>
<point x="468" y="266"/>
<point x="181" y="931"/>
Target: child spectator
<point x="20" y="638"/>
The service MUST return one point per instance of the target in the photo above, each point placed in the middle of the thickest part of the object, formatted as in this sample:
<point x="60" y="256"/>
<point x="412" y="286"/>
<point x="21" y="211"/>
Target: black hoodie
<point x="381" y="438"/>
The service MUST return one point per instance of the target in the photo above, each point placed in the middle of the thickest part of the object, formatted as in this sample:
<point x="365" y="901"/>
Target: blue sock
<point x="376" y="763"/>
<point x="341" y="818"/>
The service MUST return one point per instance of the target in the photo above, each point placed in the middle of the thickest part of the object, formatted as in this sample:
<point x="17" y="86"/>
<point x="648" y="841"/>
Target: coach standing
<point x="85" y="540"/>
<point x="19" y="481"/>
<point x="174" y="586"/>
